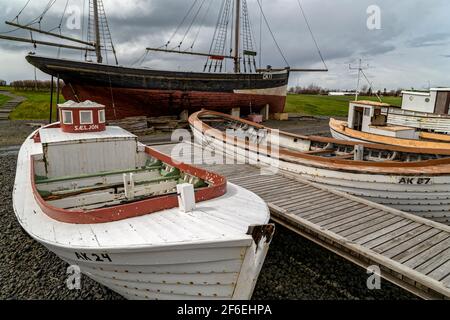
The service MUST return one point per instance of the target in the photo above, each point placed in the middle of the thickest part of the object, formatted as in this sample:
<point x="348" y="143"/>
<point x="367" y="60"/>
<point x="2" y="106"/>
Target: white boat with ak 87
<point x="408" y="179"/>
<point x="108" y="204"/>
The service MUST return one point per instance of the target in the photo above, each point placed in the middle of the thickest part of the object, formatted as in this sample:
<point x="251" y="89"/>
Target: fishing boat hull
<point x="340" y="130"/>
<point x="128" y="92"/>
<point x="216" y="251"/>
<point x="222" y="270"/>
<point x="426" y="195"/>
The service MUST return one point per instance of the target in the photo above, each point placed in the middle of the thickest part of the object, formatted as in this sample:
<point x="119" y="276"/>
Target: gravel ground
<point x="295" y="268"/>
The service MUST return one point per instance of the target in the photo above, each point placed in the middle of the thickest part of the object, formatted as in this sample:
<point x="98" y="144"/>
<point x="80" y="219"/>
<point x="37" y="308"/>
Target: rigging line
<point x="64" y="13"/>
<point x="217" y="25"/>
<point x="260" y="37"/>
<point x="182" y="22"/>
<point x="191" y="24"/>
<point x="312" y="34"/>
<point x="26" y="25"/>
<point x="20" y="12"/>
<point x="271" y="33"/>
<point x="140" y="58"/>
<point x="82" y="24"/>
<point x="46" y="8"/>
<point x="370" y="84"/>
<point x="62" y="19"/>
<point x="49" y="6"/>
<point x="201" y="24"/>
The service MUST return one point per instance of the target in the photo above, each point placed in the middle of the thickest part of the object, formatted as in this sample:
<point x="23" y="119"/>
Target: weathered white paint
<point x="73" y="153"/>
<point x="278" y="91"/>
<point x="380" y="188"/>
<point x="419" y="101"/>
<point x="165" y="255"/>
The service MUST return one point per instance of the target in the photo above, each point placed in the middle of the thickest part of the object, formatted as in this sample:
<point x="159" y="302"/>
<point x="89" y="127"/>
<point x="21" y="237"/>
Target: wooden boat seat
<point x="345" y="156"/>
<point x="44" y="180"/>
<point x="319" y="152"/>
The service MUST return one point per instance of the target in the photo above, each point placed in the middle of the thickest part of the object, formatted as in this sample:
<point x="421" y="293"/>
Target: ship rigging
<point x="136" y="91"/>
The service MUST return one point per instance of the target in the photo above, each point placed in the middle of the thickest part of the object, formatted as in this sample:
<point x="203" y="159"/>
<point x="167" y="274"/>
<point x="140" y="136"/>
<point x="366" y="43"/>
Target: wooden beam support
<point x="189" y="53"/>
<point x="49" y="33"/>
<point x="44" y="43"/>
<point x="292" y="70"/>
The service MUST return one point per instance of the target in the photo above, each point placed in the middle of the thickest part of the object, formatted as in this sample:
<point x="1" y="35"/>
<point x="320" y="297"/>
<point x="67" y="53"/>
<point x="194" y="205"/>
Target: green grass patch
<point x="315" y="105"/>
<point x="3" y="100"/>
<point x="36" y="107"/>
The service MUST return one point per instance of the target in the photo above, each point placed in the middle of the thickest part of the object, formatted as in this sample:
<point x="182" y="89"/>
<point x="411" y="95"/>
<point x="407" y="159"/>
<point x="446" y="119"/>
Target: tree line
<point x="33" y="85"/>
<point x="364" y="90"/>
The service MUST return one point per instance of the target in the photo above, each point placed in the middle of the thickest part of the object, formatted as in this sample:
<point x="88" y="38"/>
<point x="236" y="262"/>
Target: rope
<point x="271" y="33"/>
<point x="370" y="84"/>
<point x="201" y="24"/>
<point x="190" y="25"/>
<point x="32" y="21"/>
<point x="20" y="12"/>
<point x="260" y="38"/>
<point x="217" y="25"/>
<point x="181" y="23"/>
<point x="312" y="34"/>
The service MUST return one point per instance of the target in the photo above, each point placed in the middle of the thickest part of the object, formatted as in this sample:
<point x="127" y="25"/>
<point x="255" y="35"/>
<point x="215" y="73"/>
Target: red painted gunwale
<point x="138" y="208"/>
<point x="433" y="167"/>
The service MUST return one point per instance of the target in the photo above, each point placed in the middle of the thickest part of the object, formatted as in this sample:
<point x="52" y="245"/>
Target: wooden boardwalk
<point x="9" y="106"/>
<point x="412" y="252"/>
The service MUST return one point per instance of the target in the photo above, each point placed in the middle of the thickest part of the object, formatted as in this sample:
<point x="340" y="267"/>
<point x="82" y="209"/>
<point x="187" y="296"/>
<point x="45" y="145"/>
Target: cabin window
<point x="367" y="112"/>
<point x="101" y="116"/>
<point x="67" y="117"/>
<point x="85" y="117"/>
<point x="427" y="99"/>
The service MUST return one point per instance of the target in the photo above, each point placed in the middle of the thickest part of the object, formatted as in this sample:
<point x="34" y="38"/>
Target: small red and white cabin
<point x="82" y="117"/>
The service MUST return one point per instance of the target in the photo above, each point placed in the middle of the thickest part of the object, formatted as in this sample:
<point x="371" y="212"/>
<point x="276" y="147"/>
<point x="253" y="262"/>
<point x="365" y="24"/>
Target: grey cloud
<point x="434" y="39"/>
<point x="339" y="27"/>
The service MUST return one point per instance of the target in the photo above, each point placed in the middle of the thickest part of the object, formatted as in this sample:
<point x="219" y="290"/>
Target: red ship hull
<point x="121" y="103"/>
<point x="128" y="92"/>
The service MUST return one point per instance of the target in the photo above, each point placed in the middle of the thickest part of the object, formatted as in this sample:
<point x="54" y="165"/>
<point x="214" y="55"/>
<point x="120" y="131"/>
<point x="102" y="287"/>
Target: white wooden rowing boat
<point x="408" y="179"/>
<point x="79" y="196"/>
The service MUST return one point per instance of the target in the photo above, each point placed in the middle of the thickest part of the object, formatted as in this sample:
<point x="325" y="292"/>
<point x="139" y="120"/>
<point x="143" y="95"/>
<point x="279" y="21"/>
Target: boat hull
<point x="425" y="196"/>
<point x="213" y="252"/>
<point x="128" y="92"/>
<point x="130" y="102"/>
<point x="209" y="271"/>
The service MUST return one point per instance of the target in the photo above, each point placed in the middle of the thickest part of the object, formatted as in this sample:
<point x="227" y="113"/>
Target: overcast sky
<point x="410" y="49"/>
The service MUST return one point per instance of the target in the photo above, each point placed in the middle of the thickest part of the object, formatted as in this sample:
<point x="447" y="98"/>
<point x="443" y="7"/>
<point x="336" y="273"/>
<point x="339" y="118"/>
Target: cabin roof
<point x="371" y="103"/>
<point x="83" y="105"/>
<point x="416" y="93"/>
<point x="56" y="135"/>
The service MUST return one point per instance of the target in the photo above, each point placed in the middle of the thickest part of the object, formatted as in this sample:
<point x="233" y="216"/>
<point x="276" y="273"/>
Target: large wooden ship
<point x="137" y="91"/>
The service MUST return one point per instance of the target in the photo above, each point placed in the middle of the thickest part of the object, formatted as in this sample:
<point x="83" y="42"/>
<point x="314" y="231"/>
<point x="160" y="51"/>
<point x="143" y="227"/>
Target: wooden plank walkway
<point x="9" y="106"/>
<point x="412" y="252"/>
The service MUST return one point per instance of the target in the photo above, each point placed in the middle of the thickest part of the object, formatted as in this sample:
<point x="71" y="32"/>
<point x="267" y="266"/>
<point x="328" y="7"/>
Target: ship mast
<point x="237" y="36"/>
<point x="98" y="50"/>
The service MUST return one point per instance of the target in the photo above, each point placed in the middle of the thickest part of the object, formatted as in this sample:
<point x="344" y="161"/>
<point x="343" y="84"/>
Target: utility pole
<point x="360" y="71"/>
<point x="98" y="49"/>
<point x="237" y="37"/>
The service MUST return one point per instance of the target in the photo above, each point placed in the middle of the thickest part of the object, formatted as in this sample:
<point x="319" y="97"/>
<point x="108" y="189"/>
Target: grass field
<point x="36" y="107"/>
<point x="3" y="100"/>
<point x="314" y="105"/>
